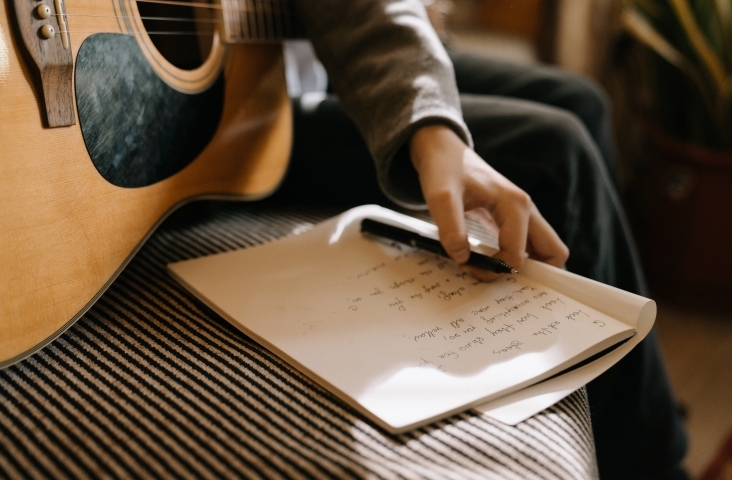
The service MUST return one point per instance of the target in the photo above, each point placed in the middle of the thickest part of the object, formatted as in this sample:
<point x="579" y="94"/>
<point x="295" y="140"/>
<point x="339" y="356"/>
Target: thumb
<point x="448" y="211"/>
<point x="437" y="154"/>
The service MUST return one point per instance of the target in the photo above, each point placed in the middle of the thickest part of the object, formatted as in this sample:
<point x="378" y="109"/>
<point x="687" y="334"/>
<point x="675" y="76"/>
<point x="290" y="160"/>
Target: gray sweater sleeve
<point x="392" y="75"/>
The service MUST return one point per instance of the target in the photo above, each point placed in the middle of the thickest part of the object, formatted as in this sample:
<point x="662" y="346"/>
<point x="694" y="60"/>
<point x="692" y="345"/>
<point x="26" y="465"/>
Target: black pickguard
<point x="138" y="130"/>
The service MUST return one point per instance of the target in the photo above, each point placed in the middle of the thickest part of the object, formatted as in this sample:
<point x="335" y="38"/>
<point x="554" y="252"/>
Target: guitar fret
<point x="258" y="21"/>
<point x="252" y="19"/>
<point x="277" y="19"/>
<point x="270" y="21"/>
<point x="262" y="28"/>
<point x="244" y="20"/>
<point x="248" y="20"/>
<point x="287" y="17"/>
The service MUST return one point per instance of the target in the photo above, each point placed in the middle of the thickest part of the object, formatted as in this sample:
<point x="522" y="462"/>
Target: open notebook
<point x="406" y="337"/>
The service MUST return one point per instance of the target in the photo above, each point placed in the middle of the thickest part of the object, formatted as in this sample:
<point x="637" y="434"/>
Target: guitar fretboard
<point x="259" y="21"/>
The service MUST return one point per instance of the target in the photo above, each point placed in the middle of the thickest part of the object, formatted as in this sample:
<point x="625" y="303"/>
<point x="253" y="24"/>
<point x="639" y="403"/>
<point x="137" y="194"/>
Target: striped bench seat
<point x="150" y="384"/>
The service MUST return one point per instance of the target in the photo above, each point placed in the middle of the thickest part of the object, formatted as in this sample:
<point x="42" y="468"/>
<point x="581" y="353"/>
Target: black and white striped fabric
<point x="150" y="384"/>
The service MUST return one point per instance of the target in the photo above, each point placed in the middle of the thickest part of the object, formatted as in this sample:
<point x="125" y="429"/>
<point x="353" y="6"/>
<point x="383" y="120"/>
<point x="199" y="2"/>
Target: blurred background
<point x="666" y="65"/>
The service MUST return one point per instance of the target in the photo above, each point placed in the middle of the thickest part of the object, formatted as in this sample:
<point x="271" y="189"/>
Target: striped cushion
<point x="149" y="383"/>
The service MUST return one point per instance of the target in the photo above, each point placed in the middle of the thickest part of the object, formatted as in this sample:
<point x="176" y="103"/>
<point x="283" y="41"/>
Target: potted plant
<point x="686" y="72"/>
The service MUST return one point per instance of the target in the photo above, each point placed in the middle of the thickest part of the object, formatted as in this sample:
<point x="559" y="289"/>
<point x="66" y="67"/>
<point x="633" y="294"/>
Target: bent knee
<point x="586" y="99"/>
<point x="562" y="134"/>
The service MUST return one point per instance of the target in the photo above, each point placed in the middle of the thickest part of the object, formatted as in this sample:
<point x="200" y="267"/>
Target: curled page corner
<point x="634" y="310"/>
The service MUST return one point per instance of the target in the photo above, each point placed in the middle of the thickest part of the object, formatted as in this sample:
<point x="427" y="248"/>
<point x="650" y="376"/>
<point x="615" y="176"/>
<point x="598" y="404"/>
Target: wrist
<point x="433" y="141"/>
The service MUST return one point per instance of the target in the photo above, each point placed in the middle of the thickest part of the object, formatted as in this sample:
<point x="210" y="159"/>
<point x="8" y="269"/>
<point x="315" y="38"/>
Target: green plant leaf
<point x="708" y="57"/>
<point x="723" y="10"/>
<point x="645" y="33"/>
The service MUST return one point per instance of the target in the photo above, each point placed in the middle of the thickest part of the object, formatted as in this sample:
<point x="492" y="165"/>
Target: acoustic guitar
<point x="112" y="114"/>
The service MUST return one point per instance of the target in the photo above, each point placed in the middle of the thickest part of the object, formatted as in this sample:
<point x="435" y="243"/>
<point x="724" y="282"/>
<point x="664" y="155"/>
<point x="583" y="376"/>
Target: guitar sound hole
<point x="183" y="35"/>
<point x="139" y="130"/>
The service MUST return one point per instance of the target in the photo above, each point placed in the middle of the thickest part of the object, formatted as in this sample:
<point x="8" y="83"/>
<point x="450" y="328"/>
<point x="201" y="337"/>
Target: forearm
<point x="392" y="75"/>
<point x="397" y="83"/>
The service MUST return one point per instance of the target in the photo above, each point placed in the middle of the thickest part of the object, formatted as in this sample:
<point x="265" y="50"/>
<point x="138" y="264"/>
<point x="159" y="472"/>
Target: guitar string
<point x="142" y="17"/>
<point x="284" y="12"/>
<point x="186" y="4"/>
<point x="267" y="7"/>
<point x="160" y="32"/>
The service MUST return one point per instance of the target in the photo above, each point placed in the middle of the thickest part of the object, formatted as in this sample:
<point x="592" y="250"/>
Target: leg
<point x="546" y="85"/>
<point x="329" y="163"/>
<point x="549" y="153"/>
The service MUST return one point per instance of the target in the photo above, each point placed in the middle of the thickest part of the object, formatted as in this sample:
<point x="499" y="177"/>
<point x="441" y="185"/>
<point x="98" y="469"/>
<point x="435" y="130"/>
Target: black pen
<point x="431" y="245"/>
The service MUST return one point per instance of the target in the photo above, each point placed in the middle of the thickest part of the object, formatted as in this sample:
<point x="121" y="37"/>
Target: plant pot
<point x="684" y="220"/>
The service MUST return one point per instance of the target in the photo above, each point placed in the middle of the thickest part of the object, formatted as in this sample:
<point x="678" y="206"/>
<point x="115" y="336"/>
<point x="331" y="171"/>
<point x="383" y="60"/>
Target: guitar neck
<point x="259" y="21"/>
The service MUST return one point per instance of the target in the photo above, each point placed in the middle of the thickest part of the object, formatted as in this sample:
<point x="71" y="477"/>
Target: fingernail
<point x="462" y="255"/>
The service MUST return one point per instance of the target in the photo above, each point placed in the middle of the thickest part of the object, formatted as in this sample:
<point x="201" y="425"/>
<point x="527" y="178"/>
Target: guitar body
<point x="77" y="201"/>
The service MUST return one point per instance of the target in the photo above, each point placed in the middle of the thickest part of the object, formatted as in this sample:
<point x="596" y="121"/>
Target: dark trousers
<point x="547" y="131"/>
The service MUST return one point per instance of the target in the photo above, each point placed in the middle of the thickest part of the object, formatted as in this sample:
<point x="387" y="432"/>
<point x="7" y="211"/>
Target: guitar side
<point x="65" y="230"/>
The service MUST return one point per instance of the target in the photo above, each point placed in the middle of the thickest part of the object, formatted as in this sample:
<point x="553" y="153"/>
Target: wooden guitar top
<point x="65" y="230"/>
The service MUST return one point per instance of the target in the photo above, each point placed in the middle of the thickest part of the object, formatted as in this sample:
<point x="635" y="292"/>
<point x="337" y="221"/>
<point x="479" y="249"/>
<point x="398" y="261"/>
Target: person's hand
<point x="455" y="180"/>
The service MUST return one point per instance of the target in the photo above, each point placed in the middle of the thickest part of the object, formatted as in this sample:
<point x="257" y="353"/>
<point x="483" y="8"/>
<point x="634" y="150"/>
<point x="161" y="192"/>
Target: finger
<point x="485" y="218"/>
<point x="512" y="214"/>
<point x="498" y="202"/>
<point x="437" y="154"/>
<point x="482" y="216"/>
<point x="545" y="244"/>
<point x="482" y="275"/>
<point x="447" y="210"/>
